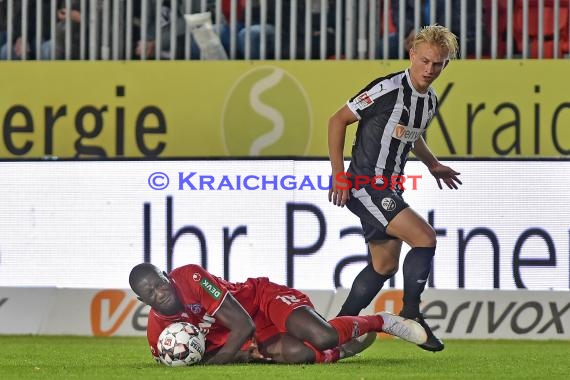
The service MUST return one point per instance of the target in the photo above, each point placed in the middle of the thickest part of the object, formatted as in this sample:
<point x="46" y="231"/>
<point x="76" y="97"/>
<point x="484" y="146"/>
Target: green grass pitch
<point x="46" y="357"/>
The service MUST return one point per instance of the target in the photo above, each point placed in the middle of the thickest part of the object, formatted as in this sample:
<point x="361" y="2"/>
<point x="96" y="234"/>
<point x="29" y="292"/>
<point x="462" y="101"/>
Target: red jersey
<point x="201" y="293"/>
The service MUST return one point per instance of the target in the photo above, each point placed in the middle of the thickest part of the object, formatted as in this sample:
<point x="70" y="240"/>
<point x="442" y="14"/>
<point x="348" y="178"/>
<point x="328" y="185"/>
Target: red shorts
<point x="276" y="303"/>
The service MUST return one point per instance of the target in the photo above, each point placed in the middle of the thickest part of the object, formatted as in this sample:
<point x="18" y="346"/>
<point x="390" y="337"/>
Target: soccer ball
<point x="181" y="344"/>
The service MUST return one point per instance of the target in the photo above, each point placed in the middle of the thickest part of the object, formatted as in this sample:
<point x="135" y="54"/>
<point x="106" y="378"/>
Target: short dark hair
<point x="141" y="271"/>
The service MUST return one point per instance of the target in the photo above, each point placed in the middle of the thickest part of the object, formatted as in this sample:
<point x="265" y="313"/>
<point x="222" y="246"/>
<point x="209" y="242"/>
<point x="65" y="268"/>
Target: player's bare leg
<point x="286" y="349"/>
<point x="307" y="325"/>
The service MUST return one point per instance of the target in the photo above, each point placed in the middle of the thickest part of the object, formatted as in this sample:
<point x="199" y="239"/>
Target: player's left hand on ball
<point x="447" y="175"/>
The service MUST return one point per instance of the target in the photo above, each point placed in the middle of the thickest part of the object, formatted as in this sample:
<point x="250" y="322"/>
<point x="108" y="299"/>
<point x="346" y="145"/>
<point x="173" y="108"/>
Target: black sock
<point x="364" y="288"/>
<point x="416" y="268"/>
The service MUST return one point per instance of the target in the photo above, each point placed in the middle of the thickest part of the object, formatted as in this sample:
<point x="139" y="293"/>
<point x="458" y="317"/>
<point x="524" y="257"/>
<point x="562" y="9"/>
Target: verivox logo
<point x="109" y="309"/>
<point x="489" y="314"/>
<point x="407" y="134"/>
<point x="267" y="113"/>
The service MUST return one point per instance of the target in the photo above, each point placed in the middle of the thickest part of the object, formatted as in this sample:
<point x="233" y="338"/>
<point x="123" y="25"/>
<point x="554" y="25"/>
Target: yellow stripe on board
<point x="204" y="109"/>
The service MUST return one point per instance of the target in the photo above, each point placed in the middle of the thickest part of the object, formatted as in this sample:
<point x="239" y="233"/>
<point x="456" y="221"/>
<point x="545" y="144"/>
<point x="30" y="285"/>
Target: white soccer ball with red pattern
<point x="181" y="344"/>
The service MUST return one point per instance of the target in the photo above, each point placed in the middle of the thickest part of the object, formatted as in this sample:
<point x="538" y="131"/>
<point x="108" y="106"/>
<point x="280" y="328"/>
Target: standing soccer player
<point x="393" y="112"/>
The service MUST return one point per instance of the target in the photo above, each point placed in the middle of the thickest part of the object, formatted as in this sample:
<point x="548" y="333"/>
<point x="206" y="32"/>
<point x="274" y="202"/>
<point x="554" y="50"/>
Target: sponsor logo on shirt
<point x="406" y="134"/>
<point x="363" y="101"/>
<point x="211" y="288"/>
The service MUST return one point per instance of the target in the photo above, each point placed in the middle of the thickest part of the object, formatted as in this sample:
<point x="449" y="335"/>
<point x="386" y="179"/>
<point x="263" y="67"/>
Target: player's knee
<point x="427" y="238"/>
<point x="431" y="239"/>
<point x="386" y="268"/>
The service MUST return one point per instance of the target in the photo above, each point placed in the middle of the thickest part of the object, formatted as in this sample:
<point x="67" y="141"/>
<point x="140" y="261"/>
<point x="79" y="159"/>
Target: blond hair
<point x="438" y="35"/>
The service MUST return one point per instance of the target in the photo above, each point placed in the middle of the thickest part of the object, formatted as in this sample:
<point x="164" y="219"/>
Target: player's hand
<point x="18" y="47"/>
<point x="255" y="356"/>
<point x="339" y="193"/>
<point x="149" y="49"/>
<point x="445" y="174"/>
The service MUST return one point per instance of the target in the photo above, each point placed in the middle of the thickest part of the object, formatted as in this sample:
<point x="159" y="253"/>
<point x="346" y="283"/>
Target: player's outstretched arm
<point x="437" y="169"/>
<point x="233" y="316"/>
<point x="338" y="123"/>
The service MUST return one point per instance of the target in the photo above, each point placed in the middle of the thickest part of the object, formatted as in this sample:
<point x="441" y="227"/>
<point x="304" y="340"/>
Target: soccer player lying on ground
<point x="256" y="320"/>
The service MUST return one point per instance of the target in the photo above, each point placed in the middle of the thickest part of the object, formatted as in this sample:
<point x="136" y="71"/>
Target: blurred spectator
<point x="471" y="20"/>
<point x="330" y="20"/>
<point x="17" y="43"/>
<point x="75" y="17"/>
<point x="261" y="26"/>
<point x="297" y="38"/>
<point x="254" y="29"/>
<point x="147" y="48"/>
<point x="165" y="21"/>
<point x="394" y="28"/>
<point x="440" y="10"/>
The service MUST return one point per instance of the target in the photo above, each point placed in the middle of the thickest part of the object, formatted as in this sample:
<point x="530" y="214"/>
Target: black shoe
<point x="433" y="343"/>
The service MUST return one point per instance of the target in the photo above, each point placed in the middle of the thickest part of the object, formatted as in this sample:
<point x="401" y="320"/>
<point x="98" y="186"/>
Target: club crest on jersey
<point x="195" y="308"/>
<point x="406" y="134"/>
<point x="388" y="204"/>
<point x="196" y="277"/>
<point x="363" y="101"/>
<point x="211" y="288"/>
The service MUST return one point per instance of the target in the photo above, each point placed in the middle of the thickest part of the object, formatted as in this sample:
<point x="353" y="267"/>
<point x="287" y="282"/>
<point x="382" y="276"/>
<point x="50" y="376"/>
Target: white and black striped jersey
<point x="392" y="116"/>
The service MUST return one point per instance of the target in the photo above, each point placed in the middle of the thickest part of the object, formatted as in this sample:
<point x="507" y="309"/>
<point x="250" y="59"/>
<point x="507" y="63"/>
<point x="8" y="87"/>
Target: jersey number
<point x="288" y="299"/>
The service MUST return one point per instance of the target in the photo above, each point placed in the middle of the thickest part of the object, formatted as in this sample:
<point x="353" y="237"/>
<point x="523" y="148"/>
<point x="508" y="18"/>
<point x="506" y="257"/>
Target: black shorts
<point x="375" y="208"/>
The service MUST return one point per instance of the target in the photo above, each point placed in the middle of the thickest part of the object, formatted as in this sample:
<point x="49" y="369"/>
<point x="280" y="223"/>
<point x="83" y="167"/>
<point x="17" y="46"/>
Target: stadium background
<point x="80" y="140"/>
